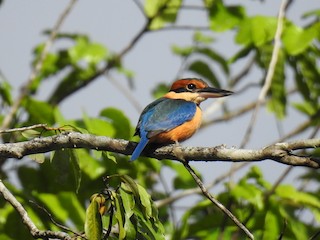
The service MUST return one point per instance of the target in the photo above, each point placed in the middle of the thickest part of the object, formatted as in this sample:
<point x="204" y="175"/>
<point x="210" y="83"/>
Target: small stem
<point x="216" y="202"/>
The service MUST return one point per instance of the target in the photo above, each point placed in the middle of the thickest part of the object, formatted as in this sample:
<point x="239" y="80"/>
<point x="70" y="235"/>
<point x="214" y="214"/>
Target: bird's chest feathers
<point x="181" y="132"/>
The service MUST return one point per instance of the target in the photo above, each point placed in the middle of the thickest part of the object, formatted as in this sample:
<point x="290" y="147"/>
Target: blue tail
<point x="141" y="145"/>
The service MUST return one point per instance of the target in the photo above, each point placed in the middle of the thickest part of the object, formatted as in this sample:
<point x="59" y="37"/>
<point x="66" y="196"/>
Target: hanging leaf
<point x="202" y="69"/>
<point x="93" y="223"/>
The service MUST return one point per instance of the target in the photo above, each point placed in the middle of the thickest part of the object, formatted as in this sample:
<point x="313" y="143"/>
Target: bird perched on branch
<point x="176" y="116"/>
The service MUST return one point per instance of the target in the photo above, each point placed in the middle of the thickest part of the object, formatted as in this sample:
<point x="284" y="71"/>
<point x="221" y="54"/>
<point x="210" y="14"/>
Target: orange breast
<point x="182" y="132"/>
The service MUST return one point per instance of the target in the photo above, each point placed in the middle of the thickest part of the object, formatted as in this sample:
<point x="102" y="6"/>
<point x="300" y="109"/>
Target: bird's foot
<point x="177" y="151"/>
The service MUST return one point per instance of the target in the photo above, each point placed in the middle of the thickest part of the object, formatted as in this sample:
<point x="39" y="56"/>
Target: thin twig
<point x="36" y="70"/>
<point x="140" y="7"/>
<point x="192" y="191"/>
<point x="52" y="219"/>
<point x="216" y="202"/>
<point x="315" y="236"/>
<point x="270" y="72"/>
<point x="34" y="231"/>
<point x="21" y="129"/>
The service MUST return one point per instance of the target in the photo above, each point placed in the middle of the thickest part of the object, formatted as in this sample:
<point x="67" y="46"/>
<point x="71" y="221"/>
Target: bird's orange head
<point x="195" y="90"/>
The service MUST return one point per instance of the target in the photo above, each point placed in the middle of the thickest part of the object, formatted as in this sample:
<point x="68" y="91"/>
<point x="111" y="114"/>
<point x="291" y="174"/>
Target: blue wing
<point x="162" y="115"/>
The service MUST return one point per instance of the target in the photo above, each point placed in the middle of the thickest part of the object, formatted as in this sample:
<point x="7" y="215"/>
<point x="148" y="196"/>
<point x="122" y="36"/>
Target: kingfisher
<point x="176" y="116"/>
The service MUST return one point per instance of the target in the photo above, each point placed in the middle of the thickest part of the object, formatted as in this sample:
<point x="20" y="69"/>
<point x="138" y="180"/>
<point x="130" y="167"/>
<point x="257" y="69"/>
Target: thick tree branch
<point x="280" y="152"/>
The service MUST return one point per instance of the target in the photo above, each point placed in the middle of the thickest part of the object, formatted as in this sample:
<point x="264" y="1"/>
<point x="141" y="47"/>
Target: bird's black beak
<point x="210" y="92"/>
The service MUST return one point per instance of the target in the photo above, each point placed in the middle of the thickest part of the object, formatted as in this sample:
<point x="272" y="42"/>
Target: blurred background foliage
<point x="132" y="200"/>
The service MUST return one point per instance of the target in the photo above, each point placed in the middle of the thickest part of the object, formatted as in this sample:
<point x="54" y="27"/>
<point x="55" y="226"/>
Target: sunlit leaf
<point x="98" y="126"/>
<point x="161" y="12"/>
<point x="256" y="30"/>
<point x="61" y="204"/>
<point x="297" y="39"/>
<point x="39" y="111"/>
<point x="182" y="51"/>
<point x="271" y="226"/>
<point x="91" y="53"/>
<point x="302" y="198"/>
<point x="93" y="223"/>
<point x="306" y="107"/>
<point x="202" y="38"/>
<point x="120" y="122"/>
<point x="224" y="17"/>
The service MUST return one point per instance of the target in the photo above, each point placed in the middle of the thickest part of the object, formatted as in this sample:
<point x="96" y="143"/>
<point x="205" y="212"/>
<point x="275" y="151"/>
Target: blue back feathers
<point x="160" y="116"/>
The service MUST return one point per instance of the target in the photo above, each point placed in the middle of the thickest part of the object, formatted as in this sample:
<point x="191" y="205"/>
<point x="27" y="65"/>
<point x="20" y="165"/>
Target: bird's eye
<point x="191" y="86"/>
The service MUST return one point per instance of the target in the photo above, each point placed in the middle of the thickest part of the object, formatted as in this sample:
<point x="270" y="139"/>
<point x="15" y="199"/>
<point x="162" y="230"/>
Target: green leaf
<point x="98" y="126"/>
<point x="299" y="230"/>
<point x="306" y="107"/>
<point x="249" y="192"/>
<point x="297" y="39"/>
<point x="39" y="111"/>
<point x="93" y="223"/>
<point x="148" y="229"/>
<point x="130" y="184"/>
<point x="90" y="166"/>
<point x="199" y="37"/>
<point x="312" y="13"/>
<point x="240" y="54"/>
<point x="202" y="69"/>
<point x="119" y="215"/>
<point x="5" y="91"/>
<point x="223" y="17"/>
<point x="62" y="204"/>
<point x="161" y="12"/>
<point x="83" y="50"/>
<point x="302" y="198"/>
<point x="256" y="30"/>
<point x="182" y="180"/>
<point x="145" y="200"/>
<point x="128" y="203"/>
<point x="74" y="164"/>
<point x="210" y="53"/>
<point x="119" y="121"/>
<point x="271" y="226"/>
<point x="66" y="167"/>
<point x="160" y="90"/>
<point x="182" y="51"/>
